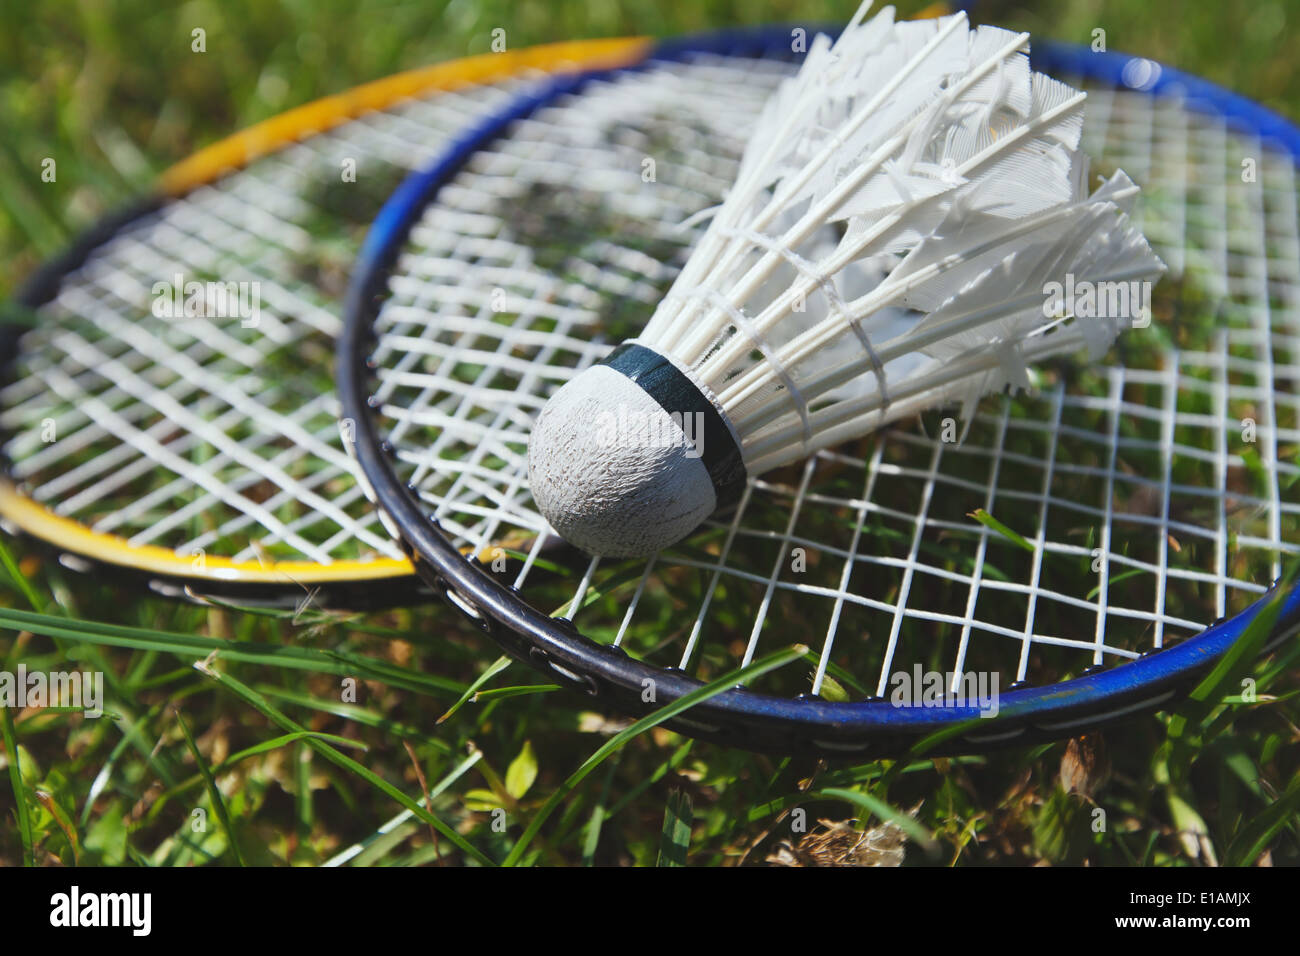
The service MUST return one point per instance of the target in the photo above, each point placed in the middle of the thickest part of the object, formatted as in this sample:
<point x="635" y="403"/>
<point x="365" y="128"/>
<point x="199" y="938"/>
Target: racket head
<point x="195" y="455"/>
<point x="411" y="300"/>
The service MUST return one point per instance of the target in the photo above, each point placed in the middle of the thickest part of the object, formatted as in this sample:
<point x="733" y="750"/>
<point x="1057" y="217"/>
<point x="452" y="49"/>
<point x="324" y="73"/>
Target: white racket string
<point x="219" y="434"/>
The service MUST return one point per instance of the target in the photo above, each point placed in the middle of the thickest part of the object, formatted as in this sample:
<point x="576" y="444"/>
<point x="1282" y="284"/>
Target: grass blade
<point x="190" y="646"/>
<point x="214" y="792"/>
<point x="51" y="806"/>
<point x="598" y="816"/>
<point x="19" y="579"/>
<point x="986" y="519"/>
<point x="1231" y="667"/>
<point x="20" y="789"/>
<point x="676" y="837"/>
<point x="1255" y="835"/>
<point x="495" y="668"/>
<point x="354" y="850"/>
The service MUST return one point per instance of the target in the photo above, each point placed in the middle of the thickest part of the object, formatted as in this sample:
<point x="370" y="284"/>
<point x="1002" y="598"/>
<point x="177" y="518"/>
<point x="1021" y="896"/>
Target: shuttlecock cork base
<point x="631" y="455"/>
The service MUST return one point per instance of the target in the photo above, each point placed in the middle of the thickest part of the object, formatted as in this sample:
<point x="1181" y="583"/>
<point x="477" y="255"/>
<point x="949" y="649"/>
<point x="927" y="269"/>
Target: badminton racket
<point x="1090" y="549"/>
<point x="168" y="410"/>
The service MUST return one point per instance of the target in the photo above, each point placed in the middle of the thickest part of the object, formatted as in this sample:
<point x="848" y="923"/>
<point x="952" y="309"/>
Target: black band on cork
<point x="677" y="395"/>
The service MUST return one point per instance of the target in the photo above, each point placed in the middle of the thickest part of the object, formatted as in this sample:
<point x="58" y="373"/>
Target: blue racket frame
<point x="740" y="717"/>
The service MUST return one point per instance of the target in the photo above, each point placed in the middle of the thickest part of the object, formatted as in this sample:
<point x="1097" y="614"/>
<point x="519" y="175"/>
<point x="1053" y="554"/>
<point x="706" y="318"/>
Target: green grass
<point x="241" y="737"/>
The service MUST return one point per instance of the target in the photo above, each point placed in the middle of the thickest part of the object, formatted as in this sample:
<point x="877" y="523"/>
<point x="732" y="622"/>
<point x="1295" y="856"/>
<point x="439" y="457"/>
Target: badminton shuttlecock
<point x="910" y="226"/>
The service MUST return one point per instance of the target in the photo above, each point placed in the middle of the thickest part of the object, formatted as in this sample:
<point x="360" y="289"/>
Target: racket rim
<point x="740" y="716"/>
